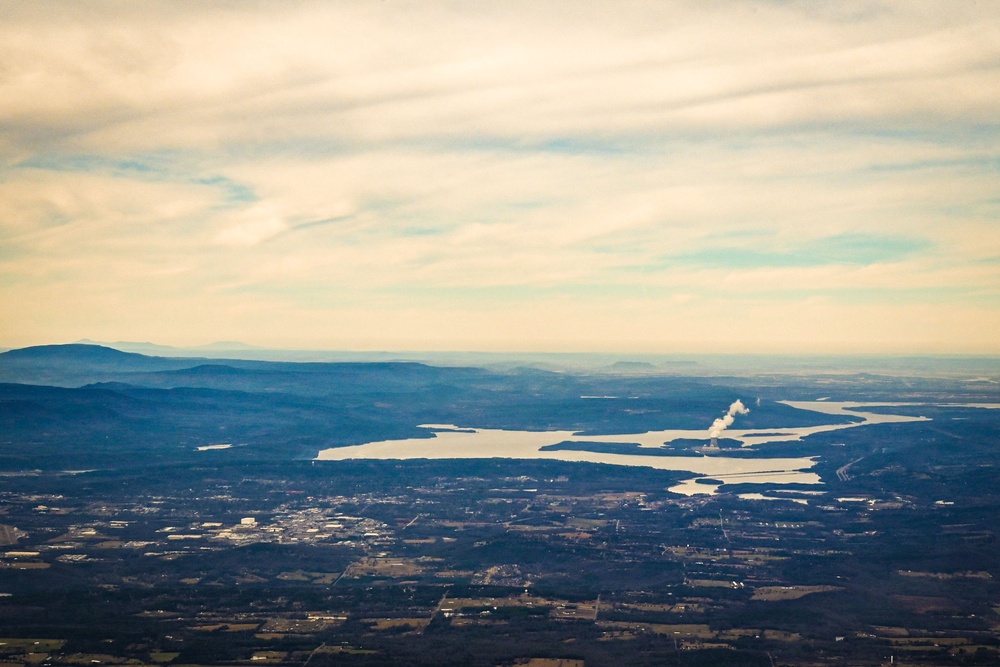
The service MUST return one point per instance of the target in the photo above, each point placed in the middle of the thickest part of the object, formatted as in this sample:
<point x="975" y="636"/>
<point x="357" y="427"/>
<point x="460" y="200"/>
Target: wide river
<point x="453" y="442"/>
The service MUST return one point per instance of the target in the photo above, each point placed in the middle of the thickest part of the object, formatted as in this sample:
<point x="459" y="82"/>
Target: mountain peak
<point x="72" y="351"/>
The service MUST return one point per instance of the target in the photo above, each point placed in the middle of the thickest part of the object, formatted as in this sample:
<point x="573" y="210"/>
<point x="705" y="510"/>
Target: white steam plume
<point x="726" y="420"/>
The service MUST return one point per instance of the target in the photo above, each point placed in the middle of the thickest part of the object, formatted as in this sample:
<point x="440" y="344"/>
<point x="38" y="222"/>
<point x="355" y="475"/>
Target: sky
<point x="628" y="177"/>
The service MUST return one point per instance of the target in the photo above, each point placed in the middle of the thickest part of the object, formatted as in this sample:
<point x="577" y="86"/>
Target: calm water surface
<point x="453" y="442"/>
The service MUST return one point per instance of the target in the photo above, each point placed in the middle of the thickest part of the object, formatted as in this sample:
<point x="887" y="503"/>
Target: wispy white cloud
<point x="109" y="76"/>
<point x="501" y="174"/>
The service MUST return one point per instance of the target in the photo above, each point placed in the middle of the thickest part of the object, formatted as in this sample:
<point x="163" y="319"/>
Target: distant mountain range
<point x="82" y="406"/>
<point x="169" y="350"/>
<point x="705" y="365"/>
<point x="78" y="364"/>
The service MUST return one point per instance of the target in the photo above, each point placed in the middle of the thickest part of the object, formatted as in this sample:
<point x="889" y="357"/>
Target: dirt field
<point x="775" y="593"/>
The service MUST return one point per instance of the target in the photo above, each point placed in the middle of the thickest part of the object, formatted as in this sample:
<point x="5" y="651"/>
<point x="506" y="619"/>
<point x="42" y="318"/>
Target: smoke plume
<point x="726" y="420"/>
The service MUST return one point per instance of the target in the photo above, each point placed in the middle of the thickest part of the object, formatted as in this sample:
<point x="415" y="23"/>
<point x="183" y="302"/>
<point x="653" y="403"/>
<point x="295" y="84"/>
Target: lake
<point x="449" y="441"/>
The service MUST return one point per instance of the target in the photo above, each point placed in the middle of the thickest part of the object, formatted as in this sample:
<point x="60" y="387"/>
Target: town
<point x="160" y="511"/>
<point x="300" y="564"/>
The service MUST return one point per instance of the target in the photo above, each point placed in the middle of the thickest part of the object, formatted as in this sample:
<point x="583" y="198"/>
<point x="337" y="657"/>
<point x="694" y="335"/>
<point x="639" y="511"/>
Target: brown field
<point x="622" y="496"/>
<point x="162" y="656"/>
<point x="455" y="574"/>
<point x="10" y="645"/>
<point x="109" y="544"/>
<point x="325" y="578"/>
<point x="415" y="624"/>
<point x="530" y="529"/>
<point x="916" y="648"/>
<point x="345" y="649"/>
<point x="457" y="604"/>
<point x="972" y="648"/>
<point x="267" y="657"/>
<point x="581" y="610"/>
<point x="930" y="641"/>
<point x="459" y="622"/>
<point x="775" y="593"/>
<point x="700" y="554"/>
<point x="757" y="556"/>
<point x="8" y="535"/>
<point x="648" y="607"/>
<point x="586" y="524"/>
<point x="710" y="583"/>
<point x="699" y="646"/>
<point x="924" y="604"/>
<point x="227" y="627"/>
<point x="31" y="565"/>
<point x="385" y="567"/>
<point x="462" y="524"/>
<point x="299" y="625"/>
<point x="94" y="658"/>
<point x="689" y="631"/>
<point x="946" y="576"/>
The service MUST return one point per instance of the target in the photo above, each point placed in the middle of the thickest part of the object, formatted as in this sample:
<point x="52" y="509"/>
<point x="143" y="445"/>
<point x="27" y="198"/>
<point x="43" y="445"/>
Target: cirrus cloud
<point x="521" y="175"/>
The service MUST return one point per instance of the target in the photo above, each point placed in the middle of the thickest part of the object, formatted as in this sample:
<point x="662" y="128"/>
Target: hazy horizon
<point x="973" y="369"/>
<point x="631" y="178"/>
<point x="233" y="346"/>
